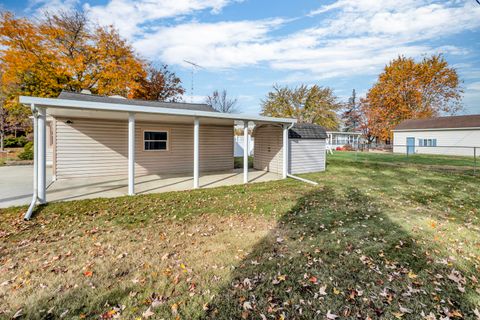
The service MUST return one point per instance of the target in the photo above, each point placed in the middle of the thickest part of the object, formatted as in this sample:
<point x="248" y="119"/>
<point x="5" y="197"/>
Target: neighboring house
<point x="341" y="139"/>
<point x="455" y="135"/>
<point x="306" y="148"/>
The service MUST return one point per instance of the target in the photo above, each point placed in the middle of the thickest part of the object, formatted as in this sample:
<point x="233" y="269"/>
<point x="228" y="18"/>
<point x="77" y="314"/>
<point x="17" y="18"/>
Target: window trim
<point x="156" y="130"/>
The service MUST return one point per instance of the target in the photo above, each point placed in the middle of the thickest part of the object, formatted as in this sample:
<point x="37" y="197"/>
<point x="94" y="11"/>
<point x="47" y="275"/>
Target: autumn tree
<point x="221" y="102"/>
<point x="63" y="52"/>
<point x="313" y="104"/>
<point x="407" y="89"/>
<point x="351" y="115"/>
<point x="160" y="84"/>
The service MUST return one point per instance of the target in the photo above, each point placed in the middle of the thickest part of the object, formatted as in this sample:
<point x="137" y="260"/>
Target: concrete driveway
<point x="16" y="185"/>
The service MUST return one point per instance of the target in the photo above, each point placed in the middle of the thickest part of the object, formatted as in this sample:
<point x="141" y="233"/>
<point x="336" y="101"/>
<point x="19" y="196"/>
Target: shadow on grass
<point x="337" y="253"/>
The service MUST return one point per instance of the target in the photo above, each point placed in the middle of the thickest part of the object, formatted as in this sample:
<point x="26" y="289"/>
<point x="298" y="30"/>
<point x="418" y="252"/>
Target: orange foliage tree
<point x="410" y="90"/>
<point x="61" y="52"/>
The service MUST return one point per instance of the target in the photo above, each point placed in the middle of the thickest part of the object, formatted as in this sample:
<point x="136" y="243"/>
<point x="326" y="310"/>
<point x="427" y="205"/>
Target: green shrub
<point x="13" y="142"/>
<point x="27" y="153"/>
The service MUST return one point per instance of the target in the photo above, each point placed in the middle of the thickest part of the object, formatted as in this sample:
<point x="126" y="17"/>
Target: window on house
<point x="155" y="140"/>
<point x="434" y="142"/>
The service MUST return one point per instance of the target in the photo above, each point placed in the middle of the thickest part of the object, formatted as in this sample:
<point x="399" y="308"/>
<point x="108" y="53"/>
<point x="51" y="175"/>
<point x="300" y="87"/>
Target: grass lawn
<point x="434" y="161"/>
<point x="371" y="241"/>
<point x="238" y="162"/>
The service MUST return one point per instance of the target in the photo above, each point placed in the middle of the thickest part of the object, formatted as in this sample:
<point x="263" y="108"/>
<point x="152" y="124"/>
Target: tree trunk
<point x="1" y="141"/>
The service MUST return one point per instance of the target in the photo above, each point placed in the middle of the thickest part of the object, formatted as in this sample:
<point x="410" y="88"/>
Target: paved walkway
<point x="16" y="184"/>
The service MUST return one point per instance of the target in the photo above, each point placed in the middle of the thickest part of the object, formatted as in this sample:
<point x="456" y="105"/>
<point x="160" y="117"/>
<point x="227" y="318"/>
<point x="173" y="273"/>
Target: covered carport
<point x="132" y="114"/>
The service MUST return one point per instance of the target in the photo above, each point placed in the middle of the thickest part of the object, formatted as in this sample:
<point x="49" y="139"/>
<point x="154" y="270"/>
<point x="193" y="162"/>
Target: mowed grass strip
<point x="369" y="241"/>
<point x="446" y="162"/>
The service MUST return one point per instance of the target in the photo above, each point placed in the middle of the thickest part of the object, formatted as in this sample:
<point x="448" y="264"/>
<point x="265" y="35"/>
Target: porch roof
<point x="71" y="108"/>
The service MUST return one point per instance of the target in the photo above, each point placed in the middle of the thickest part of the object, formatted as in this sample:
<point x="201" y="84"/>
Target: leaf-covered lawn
<point x="370" y="241"/>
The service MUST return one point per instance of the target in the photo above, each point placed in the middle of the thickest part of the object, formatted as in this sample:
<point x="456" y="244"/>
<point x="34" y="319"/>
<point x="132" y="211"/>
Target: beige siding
<point x="99" y="147"/>
<point x="267" y="152"/>
<point x="446" y="139"/>
<point x="306" y="155"/>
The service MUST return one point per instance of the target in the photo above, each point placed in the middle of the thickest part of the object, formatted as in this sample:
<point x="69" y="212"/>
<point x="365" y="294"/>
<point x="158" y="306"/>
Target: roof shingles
<point x="307" y="131"/>
<point x="467" y="121"/>
<point x="67" y="95"/>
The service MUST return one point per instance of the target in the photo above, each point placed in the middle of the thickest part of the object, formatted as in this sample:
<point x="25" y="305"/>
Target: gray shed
<point x="306" y="148"/>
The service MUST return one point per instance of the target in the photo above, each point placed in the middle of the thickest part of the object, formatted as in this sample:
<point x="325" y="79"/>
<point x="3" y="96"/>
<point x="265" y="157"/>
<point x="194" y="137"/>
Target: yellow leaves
<point x="174" y="308"/>
<point x="279" y="279"/>
<point x="336" y="291"/>
<point x="412" y="275"/>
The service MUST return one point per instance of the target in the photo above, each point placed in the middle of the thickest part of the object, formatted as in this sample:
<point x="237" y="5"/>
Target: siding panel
<point x="306" y="155"/>
<point x="100" y="148"/>
<point x="445" y="139"/>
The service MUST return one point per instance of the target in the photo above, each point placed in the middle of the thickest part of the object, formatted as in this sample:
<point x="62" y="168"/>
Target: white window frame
<point x="156" y="130"/>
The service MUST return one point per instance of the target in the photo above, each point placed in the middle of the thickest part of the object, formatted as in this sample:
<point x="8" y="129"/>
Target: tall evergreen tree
<point x="351" y="115"/>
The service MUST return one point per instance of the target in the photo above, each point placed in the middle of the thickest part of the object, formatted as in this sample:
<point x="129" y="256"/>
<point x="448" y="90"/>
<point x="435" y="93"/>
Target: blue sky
<point x="247" y="46"/>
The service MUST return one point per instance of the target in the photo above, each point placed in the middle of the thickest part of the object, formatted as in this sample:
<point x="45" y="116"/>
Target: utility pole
<point x="195" y="66"/>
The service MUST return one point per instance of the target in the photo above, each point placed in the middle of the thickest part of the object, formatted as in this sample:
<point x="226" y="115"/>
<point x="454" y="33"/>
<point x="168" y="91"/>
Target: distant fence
<point x="462" y="159"/>
<point x="238" y="146"/>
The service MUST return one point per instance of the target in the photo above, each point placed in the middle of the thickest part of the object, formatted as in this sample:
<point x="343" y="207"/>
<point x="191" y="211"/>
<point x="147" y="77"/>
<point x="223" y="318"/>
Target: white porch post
<point x="245" y="151"/>
<point x="196" y="157"/>
<point x="285" y="151"/>
<point x="131" y="154"/>
<point x="42" y="155"/>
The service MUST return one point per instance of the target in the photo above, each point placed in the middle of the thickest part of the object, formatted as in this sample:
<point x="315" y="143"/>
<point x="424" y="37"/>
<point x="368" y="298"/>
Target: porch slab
<point x="108" y="187"/>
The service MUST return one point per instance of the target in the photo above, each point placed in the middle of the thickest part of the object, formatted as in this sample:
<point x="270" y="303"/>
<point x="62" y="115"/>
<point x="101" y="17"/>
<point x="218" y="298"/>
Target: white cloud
<point x="356" y="38"/>
<point x="474" y="86"/>
<point x="349" y="38"/>
<point x="52" y="6"/>
<point x="130" y="17"/>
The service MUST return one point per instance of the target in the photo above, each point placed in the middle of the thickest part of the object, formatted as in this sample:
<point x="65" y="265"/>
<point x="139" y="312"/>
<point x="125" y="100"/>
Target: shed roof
<point x="452" y="122"/>
<point x="307" y="131"/>
<point x="68" y="95"/>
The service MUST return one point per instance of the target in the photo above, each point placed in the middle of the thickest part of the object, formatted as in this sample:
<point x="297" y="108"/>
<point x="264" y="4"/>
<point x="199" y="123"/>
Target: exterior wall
<point x="306" y="155"/>
<point x="90" y="147"/>
<point x="446" y="140"/>
<point x="268" y="154"/>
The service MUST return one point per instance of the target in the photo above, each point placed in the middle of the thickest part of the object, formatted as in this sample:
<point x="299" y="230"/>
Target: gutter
<point x="29" y="212"/>
<point x="302" y="179"/>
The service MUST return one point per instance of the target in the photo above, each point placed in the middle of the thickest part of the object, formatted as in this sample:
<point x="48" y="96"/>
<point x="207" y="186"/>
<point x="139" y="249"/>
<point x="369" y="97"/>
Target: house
<point x="96" y="136"/>
<point x="341" y="139"/>
<point x="454" y="135"/>
<point x="306" y="148"/>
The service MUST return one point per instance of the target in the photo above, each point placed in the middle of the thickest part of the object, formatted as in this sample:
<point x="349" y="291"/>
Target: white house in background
<point x="340" y="139"/>
<point x="455" y="135"/>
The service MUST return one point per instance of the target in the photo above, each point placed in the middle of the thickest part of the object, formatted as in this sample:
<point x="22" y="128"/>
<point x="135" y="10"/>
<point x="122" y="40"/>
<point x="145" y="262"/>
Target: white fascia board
<point x="347" y="133"/>
<point x="436" y="129"/>
<point x="88" y="105"/>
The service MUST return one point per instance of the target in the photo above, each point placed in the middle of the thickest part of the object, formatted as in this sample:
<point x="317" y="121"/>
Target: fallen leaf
<point x="148" y="313"/>
<point x="331" y="316"/>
